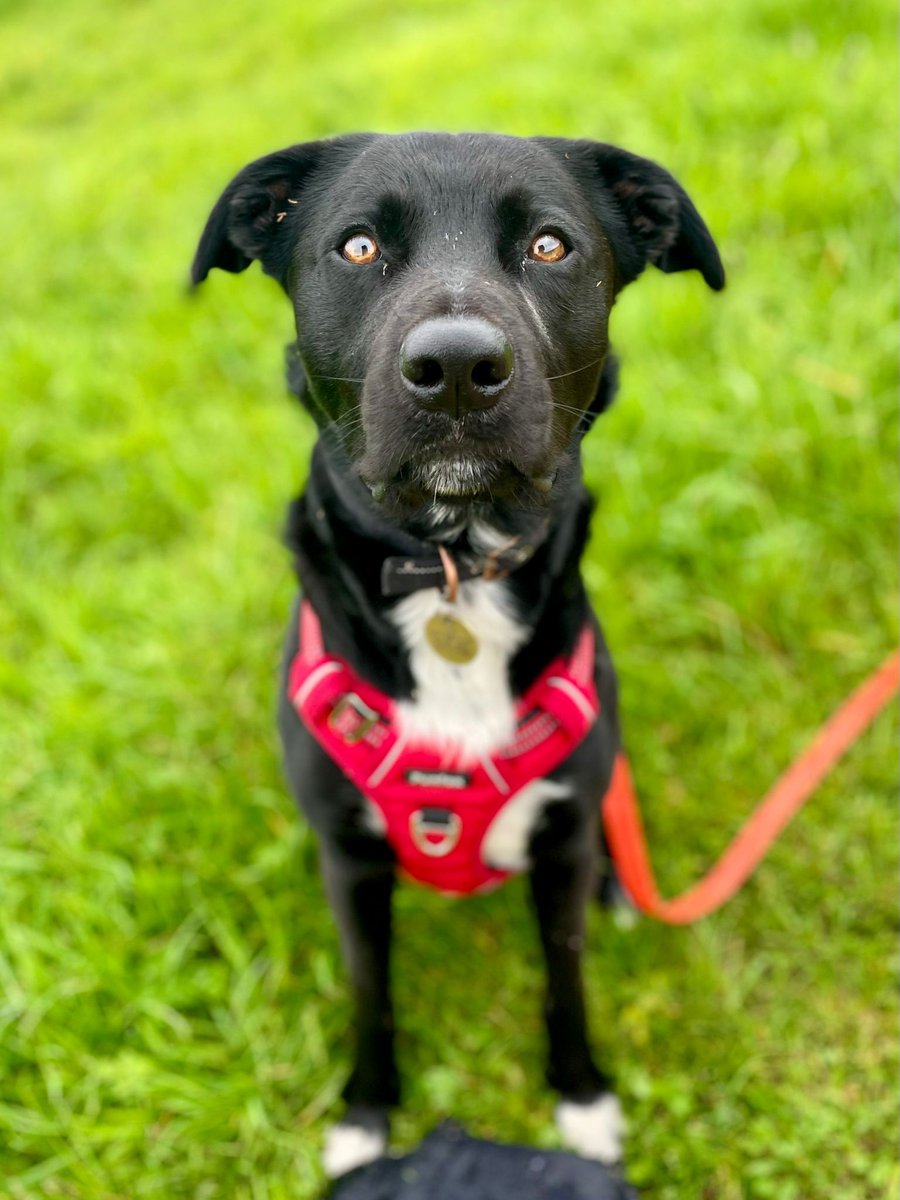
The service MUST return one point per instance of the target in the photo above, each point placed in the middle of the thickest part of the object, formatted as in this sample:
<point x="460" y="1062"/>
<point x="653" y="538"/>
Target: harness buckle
<point x="435" y="831"/>
<point x="352" y="718"/>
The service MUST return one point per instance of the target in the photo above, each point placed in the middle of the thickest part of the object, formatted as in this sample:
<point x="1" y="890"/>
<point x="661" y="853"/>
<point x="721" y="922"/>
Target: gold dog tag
<point x="451" y="638"/>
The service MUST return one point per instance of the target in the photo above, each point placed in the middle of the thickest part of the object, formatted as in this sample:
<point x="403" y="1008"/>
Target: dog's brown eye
<point x="547" y="247"/>
<point x="361" y="249"/>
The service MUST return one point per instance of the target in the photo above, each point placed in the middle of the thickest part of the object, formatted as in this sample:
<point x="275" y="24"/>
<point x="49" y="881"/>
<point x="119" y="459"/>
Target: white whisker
<point x="566" y="374"/>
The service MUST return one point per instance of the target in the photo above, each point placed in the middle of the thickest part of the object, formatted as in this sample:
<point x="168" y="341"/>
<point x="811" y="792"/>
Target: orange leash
<point x="625" y="832"/>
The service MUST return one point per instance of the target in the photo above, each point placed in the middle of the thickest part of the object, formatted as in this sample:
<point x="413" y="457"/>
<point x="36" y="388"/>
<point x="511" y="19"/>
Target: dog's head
<point x="452" y="296"/>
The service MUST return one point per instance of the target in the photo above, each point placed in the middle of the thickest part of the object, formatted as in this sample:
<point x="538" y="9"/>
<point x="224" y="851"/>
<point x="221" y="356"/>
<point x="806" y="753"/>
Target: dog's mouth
<point x="456" y="483"/>
<point x="455" y="476"/>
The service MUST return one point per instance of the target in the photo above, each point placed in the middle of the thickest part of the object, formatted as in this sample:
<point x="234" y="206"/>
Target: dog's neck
<point x="341" y="539"/>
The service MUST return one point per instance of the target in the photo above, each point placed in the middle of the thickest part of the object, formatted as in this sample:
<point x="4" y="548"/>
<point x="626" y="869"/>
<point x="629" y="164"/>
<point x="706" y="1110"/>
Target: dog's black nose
<point x="456" y="364"/>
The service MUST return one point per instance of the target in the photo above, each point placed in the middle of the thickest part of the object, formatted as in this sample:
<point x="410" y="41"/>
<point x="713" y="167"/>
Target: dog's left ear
<point x="649" y="215"/>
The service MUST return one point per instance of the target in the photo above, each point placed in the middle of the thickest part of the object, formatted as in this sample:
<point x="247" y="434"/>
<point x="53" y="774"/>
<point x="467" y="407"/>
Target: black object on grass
<point x="450" y="1165"/>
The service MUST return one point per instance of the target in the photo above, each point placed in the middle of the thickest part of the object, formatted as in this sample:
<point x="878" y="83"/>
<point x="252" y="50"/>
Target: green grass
<point x="172" y="1009"/>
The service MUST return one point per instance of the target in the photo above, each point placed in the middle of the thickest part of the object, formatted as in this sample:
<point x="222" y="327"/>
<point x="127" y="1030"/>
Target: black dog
<point x="452" y="296"/>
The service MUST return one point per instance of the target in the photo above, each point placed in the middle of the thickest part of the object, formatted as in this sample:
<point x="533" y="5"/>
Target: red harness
<point x="438" y="808"/>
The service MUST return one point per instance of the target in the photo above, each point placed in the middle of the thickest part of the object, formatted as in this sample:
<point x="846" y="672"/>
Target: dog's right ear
<point x="247" y="221"/>
<point x="255" y="216"/>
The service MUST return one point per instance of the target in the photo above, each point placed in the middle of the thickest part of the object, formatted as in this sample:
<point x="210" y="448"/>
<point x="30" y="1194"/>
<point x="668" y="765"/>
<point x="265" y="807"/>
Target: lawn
<point x="172" y="1008"/>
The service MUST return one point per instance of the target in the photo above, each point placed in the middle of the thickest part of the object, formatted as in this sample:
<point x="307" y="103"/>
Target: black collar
<point x="402" y="574"/>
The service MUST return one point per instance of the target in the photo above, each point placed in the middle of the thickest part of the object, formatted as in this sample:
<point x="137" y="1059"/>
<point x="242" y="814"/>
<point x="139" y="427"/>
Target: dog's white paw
<point x="348" y="1145"/>
<point x="593" y="1130"/>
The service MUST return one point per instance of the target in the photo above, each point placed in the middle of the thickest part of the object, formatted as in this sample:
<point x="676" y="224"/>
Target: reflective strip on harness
<point x="438" y="807"/>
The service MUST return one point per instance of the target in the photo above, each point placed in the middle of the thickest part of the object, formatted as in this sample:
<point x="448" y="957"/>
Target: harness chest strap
<point x="438" y="808"/>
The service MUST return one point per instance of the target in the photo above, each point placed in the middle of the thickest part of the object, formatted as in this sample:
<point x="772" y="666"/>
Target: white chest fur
<point x="469" y="709"/>
<point x="466" y="708"/>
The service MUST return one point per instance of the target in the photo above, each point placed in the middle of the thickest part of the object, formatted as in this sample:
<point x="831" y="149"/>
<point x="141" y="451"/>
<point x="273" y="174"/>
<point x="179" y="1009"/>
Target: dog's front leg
<point x="588" y="1116"/>
<point x="360" y="890"/>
